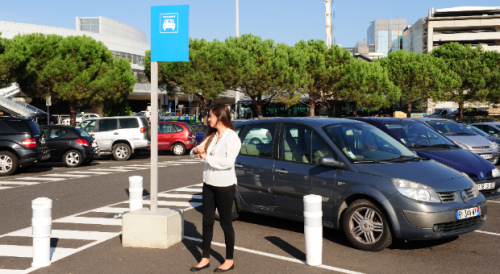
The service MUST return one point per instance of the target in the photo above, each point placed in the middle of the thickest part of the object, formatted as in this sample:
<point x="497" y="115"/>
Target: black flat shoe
<point x="218" y="270"/>
<point x="194" y="268"/>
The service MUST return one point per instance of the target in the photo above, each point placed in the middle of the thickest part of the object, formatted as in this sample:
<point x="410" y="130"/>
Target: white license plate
<point x="94" y="144"/>
<point x="485" y="186"/>
<point x="487" y="156"/>
<point x="467" y="213"/>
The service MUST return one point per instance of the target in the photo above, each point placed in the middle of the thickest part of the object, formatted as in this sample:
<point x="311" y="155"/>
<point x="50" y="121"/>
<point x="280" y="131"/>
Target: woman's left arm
<point x="232" y="151"/>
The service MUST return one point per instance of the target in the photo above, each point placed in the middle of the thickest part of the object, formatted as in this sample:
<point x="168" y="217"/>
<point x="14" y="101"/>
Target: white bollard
<point x="135" y="192"/>
<point x="42" y="225"/>
<point x="313" y="229"/>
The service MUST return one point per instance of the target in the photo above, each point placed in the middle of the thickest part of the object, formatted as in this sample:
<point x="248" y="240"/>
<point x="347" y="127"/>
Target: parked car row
<point x="380" y="179"/>
<point x="450" y="113"/>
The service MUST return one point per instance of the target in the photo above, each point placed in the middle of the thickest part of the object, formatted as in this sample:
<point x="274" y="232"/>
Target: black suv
<point x="41" y="119"/>
<point x="22" y="143"/>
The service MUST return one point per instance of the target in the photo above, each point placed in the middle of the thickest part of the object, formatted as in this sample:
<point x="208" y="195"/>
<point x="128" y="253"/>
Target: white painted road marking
<point x="276" y="256"/>
<point x="486" y="232"/>
<point x="496" y="202"/>
<point x="27" y="251"/>
<point x="70" y="234"/>
<point x="171" y="203"/>
<point x="108" y="209"/>
<point x="18" y="183"/>
<point x="184" y="196"/>
<point x="85" y="172"/>
<point x="88" y="220"/>
<point x="185" y="189"/>
<point x="40" y="178"/>
<point x="6" y="187"/>
<point x="66" y="175"/>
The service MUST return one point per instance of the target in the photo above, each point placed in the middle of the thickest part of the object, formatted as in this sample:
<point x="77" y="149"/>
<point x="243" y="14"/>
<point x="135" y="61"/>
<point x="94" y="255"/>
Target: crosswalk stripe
<point x="5" y="187"/>
<point x="91" y="172"/>
<point x="171" y="203"/>
<point x="88" y="220"/>
<point x="70" y="234"/>
<point x="40" y="178"/>
<point x="18" y="183"/>
<point x="184" y="196"/>
<point x="185" y="189"/>
<point x="67" y="175"/>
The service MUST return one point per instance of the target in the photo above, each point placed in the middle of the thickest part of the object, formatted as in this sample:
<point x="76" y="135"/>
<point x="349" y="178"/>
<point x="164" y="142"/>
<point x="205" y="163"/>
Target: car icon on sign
<point x="168" y="24"/>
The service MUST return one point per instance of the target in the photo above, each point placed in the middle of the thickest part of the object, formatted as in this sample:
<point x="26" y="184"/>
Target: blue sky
<point x="284" y="21"/>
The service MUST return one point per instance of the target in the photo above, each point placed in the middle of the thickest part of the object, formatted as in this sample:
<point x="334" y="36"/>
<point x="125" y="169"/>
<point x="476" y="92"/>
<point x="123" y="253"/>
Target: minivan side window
<point x="295" y="143"/>
<point x="108" y="125"/>
<point x="128" y="123"/>
<point x="319" y="149"/>
<point x="88" y="125"/>
<point x="258" y="140"/>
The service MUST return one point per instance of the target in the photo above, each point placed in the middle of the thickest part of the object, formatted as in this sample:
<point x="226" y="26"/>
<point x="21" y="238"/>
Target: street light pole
<point x="237" y="19"/>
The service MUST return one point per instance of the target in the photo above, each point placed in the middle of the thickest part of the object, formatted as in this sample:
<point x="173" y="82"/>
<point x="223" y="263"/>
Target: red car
<point x="175" y="136"/>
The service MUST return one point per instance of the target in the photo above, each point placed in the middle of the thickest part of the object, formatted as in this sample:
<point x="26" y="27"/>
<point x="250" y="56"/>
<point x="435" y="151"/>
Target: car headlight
<point x="461" y="145"/>
<point x="494" y="145"/>
<point x="495" y="172"/>
<point x="416" y="191"/>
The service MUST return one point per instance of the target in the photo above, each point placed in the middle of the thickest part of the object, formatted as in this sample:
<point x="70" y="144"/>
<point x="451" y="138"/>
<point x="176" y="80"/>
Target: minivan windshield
<point x="449" y="128"/>
<point x="415" y="135"/>
<point x="366" y="143"/>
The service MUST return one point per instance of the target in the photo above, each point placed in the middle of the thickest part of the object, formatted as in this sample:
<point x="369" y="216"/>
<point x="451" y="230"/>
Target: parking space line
<point x="19" y="183"/>
<point x="173" y="203"/>
<point x="39" y="178"/>
<point x="66" y="175"/>
<point x="5" y="187"/>
<point x="91" y="172"/>
<point x="69" y="234"/>
<point x="186" y="196"/>
<point x="496" y="202"/>
<point x="16" y="251"/>
<point x="486" y="232"/>
<point x="108" y="209"/>
<point x="185" y="189"/>
<point x="88" y="220"/>
<point x="276" y="256"/>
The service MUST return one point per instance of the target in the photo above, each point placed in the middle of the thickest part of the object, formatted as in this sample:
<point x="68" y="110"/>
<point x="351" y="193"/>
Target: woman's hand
<point x="199" y="149"/>
<point x="202" y="156"/>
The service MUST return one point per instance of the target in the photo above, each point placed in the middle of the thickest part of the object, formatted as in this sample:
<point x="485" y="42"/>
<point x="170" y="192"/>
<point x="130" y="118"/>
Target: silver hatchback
<point x="122" y="136"/>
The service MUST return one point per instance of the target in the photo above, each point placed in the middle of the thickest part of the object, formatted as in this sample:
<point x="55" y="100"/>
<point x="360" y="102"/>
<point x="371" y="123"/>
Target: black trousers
<point x="221" y="198"/>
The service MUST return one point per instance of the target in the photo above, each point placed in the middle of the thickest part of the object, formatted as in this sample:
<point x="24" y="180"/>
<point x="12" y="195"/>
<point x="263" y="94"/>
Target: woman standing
<point x="219" y="149"/>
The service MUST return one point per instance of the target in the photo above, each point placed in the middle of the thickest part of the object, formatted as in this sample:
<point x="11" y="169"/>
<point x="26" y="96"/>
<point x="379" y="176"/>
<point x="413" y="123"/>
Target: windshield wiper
<point x="371" y="162"/>
<point x="418" y="145"/>
<point x="460" y="133"/>
<point x="403" y="157"/>
<point x="443" y="145"/>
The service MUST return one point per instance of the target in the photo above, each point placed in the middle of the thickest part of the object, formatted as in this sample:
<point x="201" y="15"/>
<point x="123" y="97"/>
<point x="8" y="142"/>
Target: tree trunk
<point x="203" y="110"/>
<point x="408" y="110"/>
<point x="72" y="113"/>
<point x="461" y="109"/>
<point x="312" y="108"/>
<point x="355" y="108"/>
<point x="258" y="107"/>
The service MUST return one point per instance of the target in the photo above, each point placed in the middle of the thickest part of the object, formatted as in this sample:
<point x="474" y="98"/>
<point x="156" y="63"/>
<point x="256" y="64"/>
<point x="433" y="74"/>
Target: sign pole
<point x="154" y="137"/>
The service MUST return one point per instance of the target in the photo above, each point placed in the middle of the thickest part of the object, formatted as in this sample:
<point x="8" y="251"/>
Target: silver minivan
<point x="464" y="137"/>
<point x="122" y="136"/>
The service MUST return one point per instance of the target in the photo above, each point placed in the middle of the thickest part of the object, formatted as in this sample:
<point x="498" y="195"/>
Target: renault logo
<point x="464" y="196"/>
<point x="481" y="174"/>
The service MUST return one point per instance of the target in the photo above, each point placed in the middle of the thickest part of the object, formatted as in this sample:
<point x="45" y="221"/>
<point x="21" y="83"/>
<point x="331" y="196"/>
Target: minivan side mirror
<point x="494" y="135"/>
<point x="329" y="161"/>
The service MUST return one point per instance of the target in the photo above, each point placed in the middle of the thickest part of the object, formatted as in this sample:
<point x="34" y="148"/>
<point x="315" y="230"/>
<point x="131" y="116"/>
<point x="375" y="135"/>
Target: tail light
<point x="143" y="129"/>
<point x="29" y="142"/>
<point x="192" y="136"/>
<point x="83" y="142"/>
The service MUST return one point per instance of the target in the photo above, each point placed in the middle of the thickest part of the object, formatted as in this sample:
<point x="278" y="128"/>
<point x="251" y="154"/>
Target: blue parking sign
<point x="170" y="33"/>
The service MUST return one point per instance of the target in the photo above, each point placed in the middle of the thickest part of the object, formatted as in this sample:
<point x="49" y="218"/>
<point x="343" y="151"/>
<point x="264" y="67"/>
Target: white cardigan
<point x="219" y="164"/>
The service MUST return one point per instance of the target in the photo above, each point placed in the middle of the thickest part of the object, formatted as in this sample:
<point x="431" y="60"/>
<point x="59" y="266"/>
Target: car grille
<point x="482" y="147"/>
<point x="451" y="196"/>
<point x="487" y="191"/>
<point x="448" y="197"/>
<point x="472" y="176"/>
<point x="459" y="225"/>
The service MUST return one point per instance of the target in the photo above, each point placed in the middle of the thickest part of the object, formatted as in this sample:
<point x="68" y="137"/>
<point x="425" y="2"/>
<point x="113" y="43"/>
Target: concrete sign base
<point x="143" y="228"/>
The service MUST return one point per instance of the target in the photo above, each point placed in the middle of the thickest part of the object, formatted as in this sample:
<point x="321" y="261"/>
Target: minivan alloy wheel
<point x="6" y="163"/>
<point x="366" y="225"/>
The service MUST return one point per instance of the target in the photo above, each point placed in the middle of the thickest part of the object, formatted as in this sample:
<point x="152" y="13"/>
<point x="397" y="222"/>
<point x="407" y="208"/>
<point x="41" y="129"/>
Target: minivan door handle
<point x="238" y="165"/>
<point x="282" y="171"/>
<point x="116" y="133"/>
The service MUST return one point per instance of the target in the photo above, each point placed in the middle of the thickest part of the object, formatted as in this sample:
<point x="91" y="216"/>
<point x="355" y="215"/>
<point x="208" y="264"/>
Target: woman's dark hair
<point x="223" y="116"/>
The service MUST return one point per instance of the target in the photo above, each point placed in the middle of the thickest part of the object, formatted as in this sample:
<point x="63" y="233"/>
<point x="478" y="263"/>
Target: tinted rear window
<point x="17" y="126"/>
<point x="81" y="133"/>
<point x="34" y="127"/>
<point x="128" y="123"/>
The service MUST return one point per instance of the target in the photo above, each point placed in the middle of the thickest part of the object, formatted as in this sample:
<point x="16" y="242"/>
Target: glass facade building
<point x="386" y="34"/>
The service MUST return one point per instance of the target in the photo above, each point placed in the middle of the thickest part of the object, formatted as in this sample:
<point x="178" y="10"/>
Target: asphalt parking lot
<point x="263" y="244"/>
